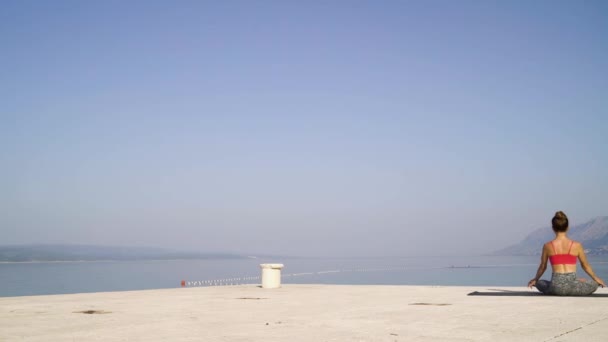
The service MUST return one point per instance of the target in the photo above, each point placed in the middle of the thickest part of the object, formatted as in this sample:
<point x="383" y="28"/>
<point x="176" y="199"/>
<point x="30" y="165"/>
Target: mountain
<point x="25" y="253"/>
<point x="592" y="234"/>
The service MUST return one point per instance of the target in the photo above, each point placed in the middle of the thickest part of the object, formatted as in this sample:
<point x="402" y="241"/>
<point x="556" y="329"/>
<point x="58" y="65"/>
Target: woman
<point x="562" y="253"/>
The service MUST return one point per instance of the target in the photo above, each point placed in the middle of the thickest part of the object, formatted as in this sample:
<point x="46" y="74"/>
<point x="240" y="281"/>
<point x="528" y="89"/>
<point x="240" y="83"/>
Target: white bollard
<point x="271" y="275"/>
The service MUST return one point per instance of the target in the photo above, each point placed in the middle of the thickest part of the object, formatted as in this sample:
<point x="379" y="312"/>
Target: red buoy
<point x="183" y="283"/>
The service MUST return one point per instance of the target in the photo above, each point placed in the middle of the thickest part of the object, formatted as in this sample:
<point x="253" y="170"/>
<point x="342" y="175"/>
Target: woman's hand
<point x="600" y="282"/>
<point x="532" y="283"/>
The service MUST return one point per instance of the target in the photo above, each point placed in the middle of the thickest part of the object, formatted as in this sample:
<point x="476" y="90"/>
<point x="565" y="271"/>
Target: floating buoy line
<point x="248" y="280"/>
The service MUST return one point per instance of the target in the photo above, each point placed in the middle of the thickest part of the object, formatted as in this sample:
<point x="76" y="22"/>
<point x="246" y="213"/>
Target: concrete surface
<point x="307" y="313"/>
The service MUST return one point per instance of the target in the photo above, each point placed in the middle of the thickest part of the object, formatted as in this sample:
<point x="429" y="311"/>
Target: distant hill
<point x="29" y="253"/>
<point x="592" y="234"/>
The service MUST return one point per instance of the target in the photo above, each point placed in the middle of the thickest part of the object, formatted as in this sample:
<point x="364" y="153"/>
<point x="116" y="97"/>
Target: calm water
<point x="23" y="279"/>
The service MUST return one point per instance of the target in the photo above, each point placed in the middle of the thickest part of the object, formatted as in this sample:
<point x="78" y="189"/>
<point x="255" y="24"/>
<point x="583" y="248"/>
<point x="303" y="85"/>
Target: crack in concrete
<point x="575" y="329"/>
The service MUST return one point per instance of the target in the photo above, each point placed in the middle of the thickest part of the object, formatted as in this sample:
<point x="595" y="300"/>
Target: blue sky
<point x="309" y="128"/>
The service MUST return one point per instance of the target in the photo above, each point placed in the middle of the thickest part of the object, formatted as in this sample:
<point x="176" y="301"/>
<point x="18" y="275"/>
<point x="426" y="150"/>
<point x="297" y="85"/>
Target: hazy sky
<point x="356" y="128"/>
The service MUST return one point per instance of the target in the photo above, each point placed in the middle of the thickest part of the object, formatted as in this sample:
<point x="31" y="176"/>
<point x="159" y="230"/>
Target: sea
<point x="48" y="278"/>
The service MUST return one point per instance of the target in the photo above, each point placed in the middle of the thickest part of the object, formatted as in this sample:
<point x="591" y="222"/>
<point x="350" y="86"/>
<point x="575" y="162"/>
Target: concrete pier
<point x="307" y="313"/>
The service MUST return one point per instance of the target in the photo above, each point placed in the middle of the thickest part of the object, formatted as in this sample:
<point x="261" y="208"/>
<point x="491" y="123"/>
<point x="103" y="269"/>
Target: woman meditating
<point x="562" y="253"/>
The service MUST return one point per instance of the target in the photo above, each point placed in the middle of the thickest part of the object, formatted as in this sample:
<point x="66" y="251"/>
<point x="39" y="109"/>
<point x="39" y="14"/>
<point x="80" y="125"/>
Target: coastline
<point x="107" y="260"/>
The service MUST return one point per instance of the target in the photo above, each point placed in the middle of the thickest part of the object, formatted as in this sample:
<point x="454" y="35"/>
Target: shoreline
<point x="111" y="260"/>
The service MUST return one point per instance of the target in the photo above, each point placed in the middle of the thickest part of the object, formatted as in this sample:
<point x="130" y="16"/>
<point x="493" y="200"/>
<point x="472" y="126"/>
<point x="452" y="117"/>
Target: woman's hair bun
<point x="560" y="222"/>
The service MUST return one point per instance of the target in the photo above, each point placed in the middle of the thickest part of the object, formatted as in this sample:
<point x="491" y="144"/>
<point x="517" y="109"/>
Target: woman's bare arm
<point x="587" y="267"/>
<point x="541" y="268"/>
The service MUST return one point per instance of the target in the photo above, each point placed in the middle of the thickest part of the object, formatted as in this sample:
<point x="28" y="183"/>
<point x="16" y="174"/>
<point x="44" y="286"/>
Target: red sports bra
<point x="562" y="259"/>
